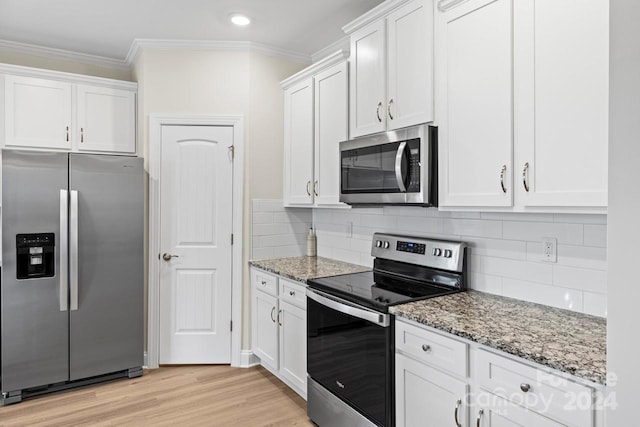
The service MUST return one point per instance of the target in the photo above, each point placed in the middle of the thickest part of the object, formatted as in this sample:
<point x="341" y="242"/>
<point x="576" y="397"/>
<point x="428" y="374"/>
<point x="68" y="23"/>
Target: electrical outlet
<point x="349" y="229"/>
<point x="549" y="253"/>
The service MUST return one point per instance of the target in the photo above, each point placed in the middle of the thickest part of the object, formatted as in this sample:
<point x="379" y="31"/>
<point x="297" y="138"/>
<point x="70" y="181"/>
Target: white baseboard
<point x="248" y="359"/>
<point x="145" y="361"/>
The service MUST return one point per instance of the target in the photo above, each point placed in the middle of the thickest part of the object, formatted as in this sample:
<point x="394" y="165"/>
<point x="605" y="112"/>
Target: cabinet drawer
<point x="265" y="282"/>
<point x="437" y="350"/>
<point x="547" y="394"/>
<point x="293" y="293"/>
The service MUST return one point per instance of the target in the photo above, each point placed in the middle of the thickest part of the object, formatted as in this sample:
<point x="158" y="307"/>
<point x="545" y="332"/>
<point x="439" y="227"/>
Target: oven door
<point x="350" y="353"/>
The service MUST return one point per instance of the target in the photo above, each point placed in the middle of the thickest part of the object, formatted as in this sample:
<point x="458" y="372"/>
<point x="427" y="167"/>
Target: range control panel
<point x="443" y="254"/>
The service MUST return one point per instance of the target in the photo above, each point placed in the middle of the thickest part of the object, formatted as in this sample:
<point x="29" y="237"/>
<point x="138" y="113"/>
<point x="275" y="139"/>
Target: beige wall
<point x="216" y="83"/>
<point x="26" y="60"/>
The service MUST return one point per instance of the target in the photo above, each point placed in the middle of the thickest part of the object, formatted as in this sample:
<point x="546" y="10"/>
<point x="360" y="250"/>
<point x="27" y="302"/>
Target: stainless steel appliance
<point x="72" y="275"/>
<point x="397" y="167"/>
<point x="350" y="333"/>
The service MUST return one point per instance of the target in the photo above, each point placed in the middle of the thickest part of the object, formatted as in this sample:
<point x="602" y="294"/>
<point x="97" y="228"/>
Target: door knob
<point x="167" y="257"/>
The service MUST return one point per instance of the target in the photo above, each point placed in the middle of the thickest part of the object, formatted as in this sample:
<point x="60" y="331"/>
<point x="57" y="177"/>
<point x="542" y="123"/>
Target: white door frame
<point x="156" y="121"/>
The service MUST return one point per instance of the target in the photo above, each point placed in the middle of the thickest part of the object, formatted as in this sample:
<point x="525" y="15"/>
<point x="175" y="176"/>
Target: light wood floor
<point x="169" y="396"/>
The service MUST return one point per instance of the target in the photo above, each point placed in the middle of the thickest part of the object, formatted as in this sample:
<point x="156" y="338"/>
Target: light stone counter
<point x="304" y="268"/>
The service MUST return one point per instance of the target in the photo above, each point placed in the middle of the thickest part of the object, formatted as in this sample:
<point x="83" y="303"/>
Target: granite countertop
<point x="303" y="268"/>
<point x="570" y="342"/>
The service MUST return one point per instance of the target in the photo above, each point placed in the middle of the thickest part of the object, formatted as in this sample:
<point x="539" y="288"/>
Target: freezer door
<point x="34" y="319"/>
<point x="106" y="264"/>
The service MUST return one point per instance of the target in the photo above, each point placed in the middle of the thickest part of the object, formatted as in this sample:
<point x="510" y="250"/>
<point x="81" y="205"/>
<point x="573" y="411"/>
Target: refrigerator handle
<point x="64" y="250"/>
<point x="73" y="249"/>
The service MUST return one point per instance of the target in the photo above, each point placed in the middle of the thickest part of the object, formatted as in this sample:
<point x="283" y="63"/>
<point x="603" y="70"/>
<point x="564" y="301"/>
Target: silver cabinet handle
<point x="292" y="293"/>
<point x="279" y="313"/>
<point x="480" y="413"/>
<point x="308" y="192"/>
<point x="378" y="112"/>
<point x="389" y="108"/>
<point x="81" y="135"/>
<point x="167" y="256"/>
<point x="345" y="307"/>
<point x="64" y="250"/>
<point x="399" y="176"/>
<point x="525" y="387"/>
<point x="73" y="249"/>
<point x="315" y="188"/>
<point x="455" y="413"/>
<point x="263" y="282"/>
<point x="67" y="133"/>
<point x="525" y="177"/>
<point x="426" y="348"/>
<point x="503" y="171"/>
<point x="273" y="310"/>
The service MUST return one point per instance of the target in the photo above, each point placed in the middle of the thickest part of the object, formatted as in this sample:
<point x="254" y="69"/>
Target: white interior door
<point x="195" y="241"/>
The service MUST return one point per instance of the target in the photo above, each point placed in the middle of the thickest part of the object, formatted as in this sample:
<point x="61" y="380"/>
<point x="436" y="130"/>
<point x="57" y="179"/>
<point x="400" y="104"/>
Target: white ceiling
<point x="108" y="27"/>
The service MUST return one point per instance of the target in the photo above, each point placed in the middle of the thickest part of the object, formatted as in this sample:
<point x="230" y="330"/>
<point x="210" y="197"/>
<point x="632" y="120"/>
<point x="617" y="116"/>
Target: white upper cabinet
<point x="561" y="101"/>
<point x="391" y="67"/>
<point x="331" y="127"/>
<point x="298" y="143"/>
<point x="315" y="121"/>
<point x="51" y="110"/>
<point x="475" y="104"/>
<point x="522" y="104"/>
<point x="37" y="113"/>
<point x="106" y="119"/>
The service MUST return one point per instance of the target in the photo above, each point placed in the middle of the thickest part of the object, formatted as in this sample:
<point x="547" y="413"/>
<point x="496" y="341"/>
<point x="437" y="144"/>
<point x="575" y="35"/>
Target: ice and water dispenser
<point x="35" y="255"/>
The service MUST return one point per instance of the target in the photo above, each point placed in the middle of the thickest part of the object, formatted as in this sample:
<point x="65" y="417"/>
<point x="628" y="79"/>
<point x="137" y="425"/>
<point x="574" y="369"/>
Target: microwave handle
<point x="399" y="158"/>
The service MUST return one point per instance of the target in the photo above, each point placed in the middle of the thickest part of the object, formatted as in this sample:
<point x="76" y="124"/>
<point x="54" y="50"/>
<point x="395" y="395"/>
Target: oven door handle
<point x="380" y="319"/>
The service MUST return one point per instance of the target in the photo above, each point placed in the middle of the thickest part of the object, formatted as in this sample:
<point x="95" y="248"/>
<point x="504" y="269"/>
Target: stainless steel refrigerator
<point x="72" y="275"/>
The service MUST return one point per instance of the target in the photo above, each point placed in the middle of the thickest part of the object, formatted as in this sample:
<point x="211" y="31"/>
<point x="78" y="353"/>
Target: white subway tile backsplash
<point x="570" y="234"/>
<point x="505" y="249"/>
<point x="521" y="270"/>
<point x="595" y="304"/>
<point x="472" y="227"/>
<point x="595" y="235"/>
<point x="580" y="278"/>
<point x="554" y="296"/>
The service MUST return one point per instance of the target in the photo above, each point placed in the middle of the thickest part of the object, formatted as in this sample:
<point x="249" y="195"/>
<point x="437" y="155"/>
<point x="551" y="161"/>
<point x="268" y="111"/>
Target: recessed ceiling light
<point x="240" y="20"/>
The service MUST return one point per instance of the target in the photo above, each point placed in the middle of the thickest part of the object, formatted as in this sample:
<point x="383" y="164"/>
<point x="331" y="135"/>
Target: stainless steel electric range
<point x="350" y="333"/>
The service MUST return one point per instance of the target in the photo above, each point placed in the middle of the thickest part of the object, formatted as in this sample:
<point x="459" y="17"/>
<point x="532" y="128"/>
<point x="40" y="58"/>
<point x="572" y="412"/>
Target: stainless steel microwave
<point x="397" y="167"/>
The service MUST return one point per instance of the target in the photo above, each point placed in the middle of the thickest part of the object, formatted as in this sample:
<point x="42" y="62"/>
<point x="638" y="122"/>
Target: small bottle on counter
<point x="311" y="243"/>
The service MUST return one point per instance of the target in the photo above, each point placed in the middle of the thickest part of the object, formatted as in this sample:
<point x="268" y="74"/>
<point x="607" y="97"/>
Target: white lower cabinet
<point x="496" y="390"/>
<point x="279" y="334"/>
<point x="424" y="394"/>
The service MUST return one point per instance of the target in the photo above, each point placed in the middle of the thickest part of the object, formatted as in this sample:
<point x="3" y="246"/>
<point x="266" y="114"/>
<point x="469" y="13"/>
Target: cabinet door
<point x="37" y="113"/>
<point x="561" y="101"/>
<point x="106" y="119"/>
<point x="298" y="144"/>
<point x="367" y="80"/>
<point x="293" y="344"/>
<point x="426" y="396"/>
<point x="475" y="103"/>
<point x="265" y="328"/>
<point x="331" y="100"/>
<point x="410" y="65"/>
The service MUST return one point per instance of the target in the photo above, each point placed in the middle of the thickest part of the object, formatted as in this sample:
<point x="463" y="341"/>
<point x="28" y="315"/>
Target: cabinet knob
<point x="264" y="283"/>
<point x="525" y="387"/>
<point x="426" y="348"/>
<point x="292" y="293"/>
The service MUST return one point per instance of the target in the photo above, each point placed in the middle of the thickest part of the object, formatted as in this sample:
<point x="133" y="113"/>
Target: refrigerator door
<point x="34" y="319"/>
<point x="106" y="266"/>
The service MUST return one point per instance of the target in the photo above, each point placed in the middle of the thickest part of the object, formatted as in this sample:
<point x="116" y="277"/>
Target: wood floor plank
<point x="211" y="395"/>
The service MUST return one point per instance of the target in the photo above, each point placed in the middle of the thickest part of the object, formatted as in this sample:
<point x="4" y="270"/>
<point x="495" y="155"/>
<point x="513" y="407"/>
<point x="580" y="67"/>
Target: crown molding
<point x="341" y="44"/>
<point x="40" y="73"/>
<point x="52" y="53"/>
<point x="315" y="68"/>
<point x="139" y="45"/>
<point x="374" y="14"/>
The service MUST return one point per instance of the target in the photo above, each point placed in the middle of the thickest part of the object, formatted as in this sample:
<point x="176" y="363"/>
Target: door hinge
<point x="232" y="150"/>
<point x="231" y="325"/>
<point x="232" y="238"/>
